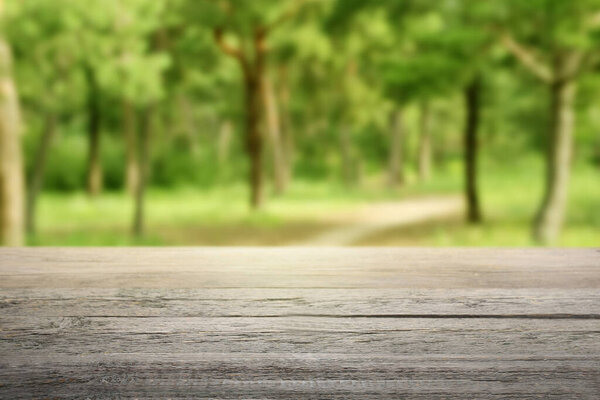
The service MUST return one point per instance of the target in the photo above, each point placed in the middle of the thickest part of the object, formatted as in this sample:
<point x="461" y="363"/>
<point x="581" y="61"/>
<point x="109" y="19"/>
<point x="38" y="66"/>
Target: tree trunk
<point x="143" y="168"/>
<point x="37" y="177"/>
<point x="224" y="142"/>
<point x="11" y="158"/>
<point x="254" y="140"/>
<point x="253" y="76"/>
<point x="472" y="103"/>
<point x="550" y="216"/>
<point x="94" y="169"/>
<point x="396" y="160"/>
<point x="425" y="143"/>
<point x="132" y="171"/>
<point x="187" y="123"/>
<point x="348" y="166"/>
<point x="286" y="123"/>
<point x="253" y="69"/>
<point x="273" y="127"/>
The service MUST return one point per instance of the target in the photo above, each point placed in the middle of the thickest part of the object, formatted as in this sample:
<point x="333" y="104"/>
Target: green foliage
<point x="370" y="54"/>
<point x="552" y="26"/>
<point x="345" y="66"/>
<point x="67" y="165"/>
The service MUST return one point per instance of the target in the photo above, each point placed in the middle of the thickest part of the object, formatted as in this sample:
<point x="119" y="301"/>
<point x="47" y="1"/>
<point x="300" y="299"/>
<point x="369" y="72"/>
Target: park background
<point x="292" y="122"/>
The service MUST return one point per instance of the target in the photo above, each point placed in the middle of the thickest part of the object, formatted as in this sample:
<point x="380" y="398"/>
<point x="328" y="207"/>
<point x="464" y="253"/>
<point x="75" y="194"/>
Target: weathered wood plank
<point x="300" y="376"/>
<point x="288" y="302"/>
<point x="299" y="267"/>
<point x="85" y="335"/>
<point x="299" y="323"/>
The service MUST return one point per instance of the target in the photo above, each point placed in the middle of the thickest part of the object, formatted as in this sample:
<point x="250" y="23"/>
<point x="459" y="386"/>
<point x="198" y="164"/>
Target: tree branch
<point x="527" y="58"/>
<point x="582" y="61"/>
<point x="228" y="49"/>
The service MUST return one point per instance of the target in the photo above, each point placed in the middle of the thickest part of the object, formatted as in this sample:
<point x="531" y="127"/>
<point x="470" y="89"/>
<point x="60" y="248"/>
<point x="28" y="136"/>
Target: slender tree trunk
<point x="224" y="142"/>
<point x="254" y="140"/>
<point x="11" y="158"/>
<point x="253" y="70"/>
<point x="273" y="127"/>
<point x="37" y="177"/>
<point x="472" y="103"/>
<point x="548" y="222"/>
<point x="94" y="169"/>
<point x="396" y="160"/>
<point x="348" y="166"/>
<point x="253" y="77"/>
<point x="144" y="169"/>
<point x="187" y="122"/>
<point x="425" y="143"/>
<point x="286" y="123"/>
<point x="132" y="169"/>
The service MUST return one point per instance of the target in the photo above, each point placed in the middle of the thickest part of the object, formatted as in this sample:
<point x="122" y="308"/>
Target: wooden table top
<point x="296" y="323"/>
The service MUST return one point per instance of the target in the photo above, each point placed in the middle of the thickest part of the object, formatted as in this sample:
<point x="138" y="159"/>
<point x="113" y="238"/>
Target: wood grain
<point x="288" y="302"/>
<point x="299" y="323"/>
<point x="299" y="268"/>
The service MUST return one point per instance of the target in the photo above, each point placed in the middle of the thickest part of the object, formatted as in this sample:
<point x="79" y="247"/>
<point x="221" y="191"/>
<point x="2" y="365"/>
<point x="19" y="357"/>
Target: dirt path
<point x="375" y="217"/>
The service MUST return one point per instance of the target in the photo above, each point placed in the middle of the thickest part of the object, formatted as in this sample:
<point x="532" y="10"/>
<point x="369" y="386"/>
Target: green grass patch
<point x="221" y="216"/>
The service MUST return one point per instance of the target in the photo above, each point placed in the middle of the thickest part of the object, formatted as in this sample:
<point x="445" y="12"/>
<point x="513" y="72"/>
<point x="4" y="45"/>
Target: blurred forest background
<point x="300" y="122"/>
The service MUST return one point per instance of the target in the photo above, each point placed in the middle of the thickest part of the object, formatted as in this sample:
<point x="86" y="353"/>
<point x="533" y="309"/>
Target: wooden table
<point x="299" y="323"/>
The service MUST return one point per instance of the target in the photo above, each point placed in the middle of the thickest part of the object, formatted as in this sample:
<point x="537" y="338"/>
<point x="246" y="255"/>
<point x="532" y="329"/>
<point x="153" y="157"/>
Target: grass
<point x="220" y="216"/>
<point x="510" y="198"/>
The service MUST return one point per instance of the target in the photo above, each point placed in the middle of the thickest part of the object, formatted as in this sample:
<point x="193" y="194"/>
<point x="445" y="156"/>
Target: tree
<point x="424" y="155"/>
<point x="139" y="60"/>
<point x="11" y="162"/>
<point x="94" y="167"/>
<point x="144" y="169"/>
<point x="472" y="95"/>
<point x="285" y="112"/>
<point x="253" y="21"/>
<point x="410" y="72"/>
<point x="92" y="25"/>
<point x="449" y="53"/>
<point x="37" y="177"/>
<point x="557" y="55"/>
<point x="44" y="70"/>
<point x="418" y="78"/>
<point x="273" y="120"/>
<point x="396" y="158"/>
<point x="466" y="41"/>
<point x="253" y="71"/>
<point x="117" y="66"/>
<point x="362" y="33"/>
<point x="109" y="38"/>
<point x="132" y="164"/>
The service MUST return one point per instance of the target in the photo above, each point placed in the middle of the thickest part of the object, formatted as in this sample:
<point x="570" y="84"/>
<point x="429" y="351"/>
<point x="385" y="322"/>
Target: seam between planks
<point x="377" y="316"/>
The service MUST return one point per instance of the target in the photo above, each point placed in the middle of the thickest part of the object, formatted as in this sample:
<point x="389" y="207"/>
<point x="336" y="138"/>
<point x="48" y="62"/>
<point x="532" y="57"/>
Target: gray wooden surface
<point x="299" y="323"/>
